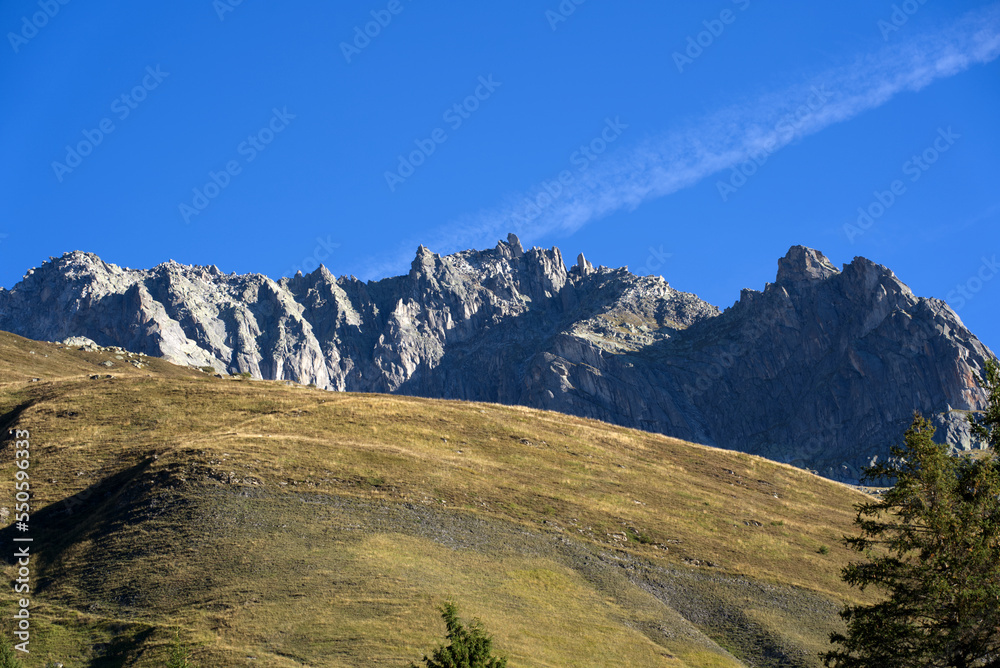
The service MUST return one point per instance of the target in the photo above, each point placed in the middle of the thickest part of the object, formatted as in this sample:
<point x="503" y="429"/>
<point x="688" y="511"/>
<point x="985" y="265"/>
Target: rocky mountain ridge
<point x="823" y="368"/>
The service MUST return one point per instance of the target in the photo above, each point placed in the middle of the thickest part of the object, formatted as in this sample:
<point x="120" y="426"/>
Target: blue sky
<point x="697" y="142"/>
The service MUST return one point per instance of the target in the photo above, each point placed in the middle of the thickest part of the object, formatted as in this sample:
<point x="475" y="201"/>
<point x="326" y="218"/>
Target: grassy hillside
<point x="276" y="525"/>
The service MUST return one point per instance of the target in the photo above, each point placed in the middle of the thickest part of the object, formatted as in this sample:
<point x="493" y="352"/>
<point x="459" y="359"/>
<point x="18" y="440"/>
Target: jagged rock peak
<point x="804" y="264"/>
<point x="74" y="264"/>
<point x="823" y="372"/>
<point x="424" y="261"/>
<point x="78" y="255"/>
<point x="515" y="245"/>
<point x="76" y="259"/>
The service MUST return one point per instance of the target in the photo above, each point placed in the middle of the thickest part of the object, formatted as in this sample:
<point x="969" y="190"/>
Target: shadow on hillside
<point x="123" y="651"/>
<point x="9" y="419"/>
<point x="91" y="514"/>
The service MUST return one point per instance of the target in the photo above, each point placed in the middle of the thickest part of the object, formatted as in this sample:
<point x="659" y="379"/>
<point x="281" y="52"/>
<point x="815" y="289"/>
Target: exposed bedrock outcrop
<point x="823" y="368"/>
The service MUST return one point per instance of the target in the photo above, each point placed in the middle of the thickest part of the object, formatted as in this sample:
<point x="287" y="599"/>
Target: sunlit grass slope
<point x="277" y="525"/>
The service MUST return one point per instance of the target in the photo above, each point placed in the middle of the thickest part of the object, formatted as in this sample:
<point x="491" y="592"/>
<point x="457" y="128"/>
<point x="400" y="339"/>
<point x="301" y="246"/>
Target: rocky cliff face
<point x="823" y="368"/>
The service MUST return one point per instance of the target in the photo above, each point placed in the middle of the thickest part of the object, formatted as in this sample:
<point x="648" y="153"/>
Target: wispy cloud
<point x="726" y="138"/>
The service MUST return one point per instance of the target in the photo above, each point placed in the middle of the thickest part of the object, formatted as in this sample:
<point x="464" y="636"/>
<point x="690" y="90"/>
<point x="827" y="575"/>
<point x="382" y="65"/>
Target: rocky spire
<point x="515" y="245"/>
<point x="804" y="264"/>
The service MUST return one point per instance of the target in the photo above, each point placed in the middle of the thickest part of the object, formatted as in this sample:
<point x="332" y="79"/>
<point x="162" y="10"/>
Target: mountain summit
<point x="822" y="369"/>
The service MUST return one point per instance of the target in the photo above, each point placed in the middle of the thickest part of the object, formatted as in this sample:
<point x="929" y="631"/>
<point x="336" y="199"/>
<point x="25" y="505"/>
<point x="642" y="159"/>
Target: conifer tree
<point x="179" y="655"/>
<point x="932" y="544"/>
<point x="986" y="425"/>
<point x="468" y="647"/>
<point x="8" y="656"/>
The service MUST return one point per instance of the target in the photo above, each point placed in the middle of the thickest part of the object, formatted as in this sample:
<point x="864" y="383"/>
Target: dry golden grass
<point x="304" y="527"/>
